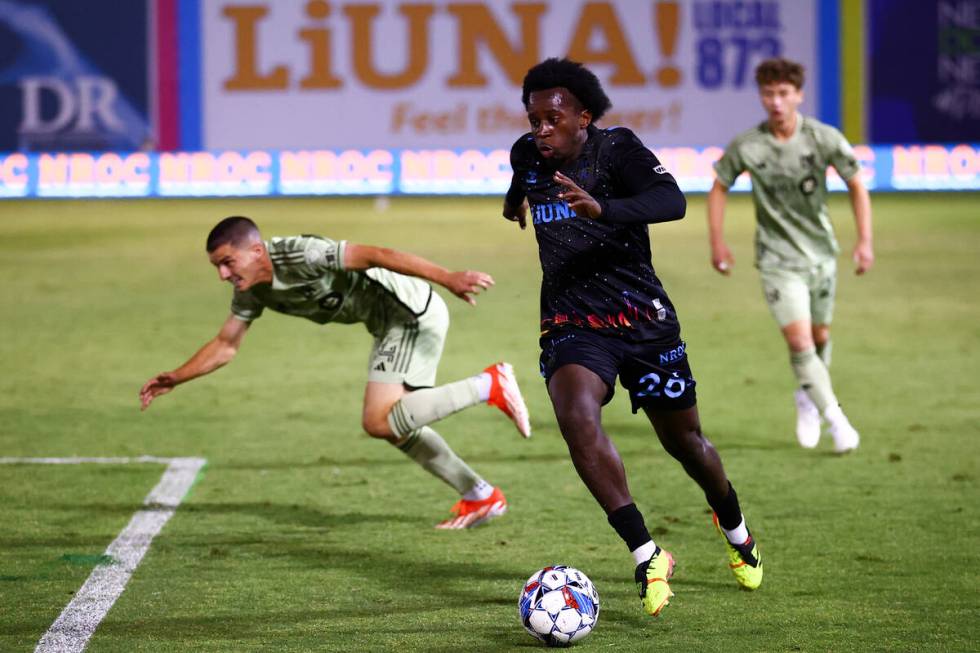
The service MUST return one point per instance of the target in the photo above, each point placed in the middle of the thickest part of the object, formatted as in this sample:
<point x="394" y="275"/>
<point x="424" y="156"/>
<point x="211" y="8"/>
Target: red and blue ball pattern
<point x="559" y="605"/>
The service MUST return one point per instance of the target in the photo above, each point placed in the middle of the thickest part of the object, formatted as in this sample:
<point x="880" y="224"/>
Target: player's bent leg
<point x="680" y="433"/>
<point x="790" y="297"/>
<point x="426" y="406"/>
<point x="408" y="354"/>
<point x="480" y="501"/>
<point x="496" y="386"/>
<point x="576" y="395"/>
<point x="378" y="401"/>
<point x="814" y="378"/>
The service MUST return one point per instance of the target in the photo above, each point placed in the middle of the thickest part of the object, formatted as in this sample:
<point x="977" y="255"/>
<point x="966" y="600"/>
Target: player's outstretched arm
<point x="721" y="257"/>
<point x="464" y="284"/>
<point x="864" y="256"/>
<point x="216" y="353"/>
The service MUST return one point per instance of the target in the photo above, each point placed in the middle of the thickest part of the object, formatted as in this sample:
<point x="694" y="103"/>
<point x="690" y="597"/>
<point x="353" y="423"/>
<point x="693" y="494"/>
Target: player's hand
<point x="467" y="283"/>
<point x="864" y="258"/>
<point x="722" y="259"/>
<point x="577" y="199"/>
<point x="516" y="214"/>
<point x="160" y="384"/>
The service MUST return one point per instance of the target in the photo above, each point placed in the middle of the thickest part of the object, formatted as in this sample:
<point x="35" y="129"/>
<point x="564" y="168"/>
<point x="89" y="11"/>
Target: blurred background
<point x="309" y="97"/>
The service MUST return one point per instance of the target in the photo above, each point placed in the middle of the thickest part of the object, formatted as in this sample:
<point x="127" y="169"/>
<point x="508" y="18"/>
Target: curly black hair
<point x="571" y="75"/>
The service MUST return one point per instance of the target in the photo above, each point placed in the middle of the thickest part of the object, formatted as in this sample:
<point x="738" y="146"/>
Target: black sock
<point x="628" y="523"/>
<point x="728" y="511"/>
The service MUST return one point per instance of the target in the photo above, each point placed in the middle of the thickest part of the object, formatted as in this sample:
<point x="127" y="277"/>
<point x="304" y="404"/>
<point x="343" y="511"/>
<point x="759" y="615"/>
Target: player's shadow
<point x="735" y="443"/>
<point x="714" y="586"/>
<point x="64" y="541"/>
<point x="295" y="515"/>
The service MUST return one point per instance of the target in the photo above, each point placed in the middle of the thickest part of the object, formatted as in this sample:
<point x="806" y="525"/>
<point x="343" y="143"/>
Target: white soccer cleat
<point x="505" y="394"/>
<point x="807" y="420"/>
<point x="845" y="436"/>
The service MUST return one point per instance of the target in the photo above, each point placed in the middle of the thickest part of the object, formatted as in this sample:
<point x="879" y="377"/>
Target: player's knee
<point x="798" y="342"/>
<point x="687" y="445"/>
<point x="821" y="334"/>
<point x="376" y="426"/>
<point x="578" y="424"/>
<point x="798" y="335"/>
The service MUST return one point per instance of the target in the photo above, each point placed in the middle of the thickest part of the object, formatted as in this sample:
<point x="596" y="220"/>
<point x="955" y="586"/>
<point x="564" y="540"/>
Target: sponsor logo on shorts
<point x="674" y="355"/>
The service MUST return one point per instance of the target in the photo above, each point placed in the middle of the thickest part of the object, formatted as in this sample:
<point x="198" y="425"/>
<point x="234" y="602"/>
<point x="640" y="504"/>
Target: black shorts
<point x="656" y="376"/>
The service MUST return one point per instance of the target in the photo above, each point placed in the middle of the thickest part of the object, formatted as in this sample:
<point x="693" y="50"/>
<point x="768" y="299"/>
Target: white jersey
<point x="309" y="280"/>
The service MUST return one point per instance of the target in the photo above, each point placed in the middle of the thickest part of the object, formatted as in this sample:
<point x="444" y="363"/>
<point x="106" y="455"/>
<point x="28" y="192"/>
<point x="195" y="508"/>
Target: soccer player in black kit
<point x="590" y="194"/>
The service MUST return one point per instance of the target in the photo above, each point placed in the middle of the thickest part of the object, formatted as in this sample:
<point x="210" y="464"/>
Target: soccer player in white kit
<point x="389" y="292"/>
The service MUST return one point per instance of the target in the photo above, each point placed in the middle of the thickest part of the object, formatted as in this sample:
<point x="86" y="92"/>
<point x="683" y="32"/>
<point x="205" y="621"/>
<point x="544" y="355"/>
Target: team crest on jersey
<point x="808" y="160"/>
<point x="331" y="301"/>
<point x="660" y="169"/>
<point x="532" y="177"/>
<point x="808" y="185"/>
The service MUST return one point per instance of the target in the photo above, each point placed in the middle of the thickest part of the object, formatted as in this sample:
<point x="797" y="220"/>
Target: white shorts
<point x="409" y="353"/>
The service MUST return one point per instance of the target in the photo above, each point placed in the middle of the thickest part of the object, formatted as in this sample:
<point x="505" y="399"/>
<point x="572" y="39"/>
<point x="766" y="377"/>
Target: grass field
<point x="303" y="534"/>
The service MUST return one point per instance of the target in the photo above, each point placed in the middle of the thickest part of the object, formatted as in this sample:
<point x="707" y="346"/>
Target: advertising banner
<point x="410" y="172"/>
<point x="74" y="75"/>
<point x="442" y="74"/>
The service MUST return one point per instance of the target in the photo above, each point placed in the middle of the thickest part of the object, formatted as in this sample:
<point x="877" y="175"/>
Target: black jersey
<point x="597" y="274"/>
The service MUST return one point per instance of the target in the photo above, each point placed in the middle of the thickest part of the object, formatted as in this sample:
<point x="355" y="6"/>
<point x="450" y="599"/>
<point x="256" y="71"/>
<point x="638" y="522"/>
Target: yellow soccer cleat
<point x="744" y="560"/>
<point x="651" y="580"/>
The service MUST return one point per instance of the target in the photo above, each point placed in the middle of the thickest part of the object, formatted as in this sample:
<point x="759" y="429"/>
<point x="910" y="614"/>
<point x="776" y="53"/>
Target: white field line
<point x="75" y="625"/>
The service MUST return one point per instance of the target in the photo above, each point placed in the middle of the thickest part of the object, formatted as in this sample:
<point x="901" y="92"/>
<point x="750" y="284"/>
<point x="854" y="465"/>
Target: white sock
<point x="834" y="414"/>
<point x="813" y="376"/>
<point x="433" y="454"/>
<point x="427" y="405"/>
<point x="737" y="535"/>
<point x="482" y="490"/>
<point x="644" y="552"/>
<point x="483" y="383"/>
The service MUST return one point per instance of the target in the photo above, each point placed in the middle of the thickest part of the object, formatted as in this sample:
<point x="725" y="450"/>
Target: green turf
<point x="303" y="534"/>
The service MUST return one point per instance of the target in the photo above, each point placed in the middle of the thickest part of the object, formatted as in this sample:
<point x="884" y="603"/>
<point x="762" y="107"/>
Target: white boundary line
<point x="73" y="628"/>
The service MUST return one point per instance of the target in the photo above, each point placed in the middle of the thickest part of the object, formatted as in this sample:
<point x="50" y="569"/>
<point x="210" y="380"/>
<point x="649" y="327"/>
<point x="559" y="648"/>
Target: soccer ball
<point x="559" y="605"/>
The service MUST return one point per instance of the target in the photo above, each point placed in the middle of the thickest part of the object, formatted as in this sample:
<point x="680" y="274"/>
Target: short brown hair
<point x="777" y="71"/>
<point x="237" y="230"/>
